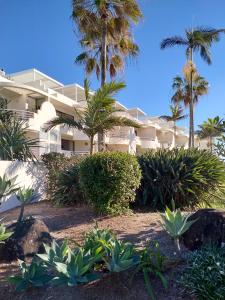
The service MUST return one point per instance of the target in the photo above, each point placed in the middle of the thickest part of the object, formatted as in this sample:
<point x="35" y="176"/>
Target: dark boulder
<point x="208" y="228"/>
<point x="27" y="240"/>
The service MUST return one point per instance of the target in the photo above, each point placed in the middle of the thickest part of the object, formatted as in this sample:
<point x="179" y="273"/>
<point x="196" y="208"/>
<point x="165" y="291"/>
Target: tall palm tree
<point x="117" y="50"/>
<point x="104" y="21"/>
<point x="176" y="115"/>
<point x="181" y="87"/>
<point x="99" y="115"/>
<point x="199" y="40"/>
<point x="213" y="127"/>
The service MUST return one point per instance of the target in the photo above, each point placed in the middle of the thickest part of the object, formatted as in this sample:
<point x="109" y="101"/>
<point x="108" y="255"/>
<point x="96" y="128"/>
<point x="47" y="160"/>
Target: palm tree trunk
<point x="191" y="125"/>
<point x="210" y="144"/>
<point x="91" y="144"/>
<point x="101" y="145"/>
<point x="174" y="134"/>
<point x="20" y="218"/>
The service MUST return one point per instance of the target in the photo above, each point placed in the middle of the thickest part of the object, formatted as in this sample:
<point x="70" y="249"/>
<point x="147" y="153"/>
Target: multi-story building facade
<point x="38" y="98"/>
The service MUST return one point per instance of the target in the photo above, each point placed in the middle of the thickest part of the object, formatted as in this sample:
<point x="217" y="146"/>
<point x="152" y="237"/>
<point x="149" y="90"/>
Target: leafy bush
<point x="204" y="277"/>
<point x="179" y="174"/>
<point x="63" y="186"/>
<point x="109" y="180"/>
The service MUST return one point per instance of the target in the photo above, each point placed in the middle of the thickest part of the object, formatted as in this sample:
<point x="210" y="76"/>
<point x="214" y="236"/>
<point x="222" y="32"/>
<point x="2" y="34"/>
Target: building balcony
<point x="69" y="153"/>
<point x="114" y="138"/>
<point x="23" y="115"/>
<point x="147" y="142"/>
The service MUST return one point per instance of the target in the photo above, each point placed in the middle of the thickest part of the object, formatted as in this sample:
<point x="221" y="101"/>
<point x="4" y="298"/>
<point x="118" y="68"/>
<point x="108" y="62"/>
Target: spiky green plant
<point x="55" y="253"/>
<point x="4" y="234"/>
<point x="185" y="175"/>
<point x="25" y="196"/>
<point x="33" y="274"/>
<point x="78" y="270"/>
<point x="176" y="224"/>
<point x="120" y="256"/>
<point x="7" y="186"/>
<point x="14" y="143"/>
<point x="151" y="263"/>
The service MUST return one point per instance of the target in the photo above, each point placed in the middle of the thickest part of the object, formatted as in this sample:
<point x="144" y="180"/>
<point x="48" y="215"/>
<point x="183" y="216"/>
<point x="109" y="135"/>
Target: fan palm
<point x="199" y="40"/>
<point x="181" y="87"/>
<point x="213" y="127"/>
<point x="99" y="115"/>
<point x="117" y="50"/>
<point x="176" y="115"/>
<point x="105" y="24"/>
<point x="104" y="21"/>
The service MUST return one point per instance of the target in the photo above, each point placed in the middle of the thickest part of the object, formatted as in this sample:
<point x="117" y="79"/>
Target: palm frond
<point x="173" y="41"/>
<point x="64" y="121"/>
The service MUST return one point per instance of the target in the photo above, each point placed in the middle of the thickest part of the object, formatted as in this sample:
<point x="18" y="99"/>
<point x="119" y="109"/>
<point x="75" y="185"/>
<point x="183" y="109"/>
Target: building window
<point x="65" y="145"/>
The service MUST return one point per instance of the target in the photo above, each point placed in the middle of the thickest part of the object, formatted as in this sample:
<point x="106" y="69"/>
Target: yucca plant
<point x="31" y="275"/>
<point x="7" y="186"/>
<point x="4" y="234"/>
<point x="176" y="224"/>
<point x="25" y="196"/>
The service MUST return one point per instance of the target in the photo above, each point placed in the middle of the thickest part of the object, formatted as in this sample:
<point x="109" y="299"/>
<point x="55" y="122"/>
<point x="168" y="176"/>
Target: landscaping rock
<point x="27" y="240"/>
<point x="208" y="228"/>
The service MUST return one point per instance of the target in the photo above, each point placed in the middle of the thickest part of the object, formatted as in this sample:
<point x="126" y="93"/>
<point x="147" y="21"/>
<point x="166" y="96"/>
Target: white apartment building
<point x="37" y="98"/>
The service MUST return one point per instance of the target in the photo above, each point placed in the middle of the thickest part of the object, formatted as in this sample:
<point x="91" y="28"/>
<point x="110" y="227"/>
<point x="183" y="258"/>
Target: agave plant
<point x="25" y="196"/>
<point x="55" y="253"/>
<point x="31" y="275"/>
<point x="4" y="235"/>
<point x="176" y="224"/>
<point x="76" y="270"/>
<point x="7" y="186"/>
<point x="120" y="256"/>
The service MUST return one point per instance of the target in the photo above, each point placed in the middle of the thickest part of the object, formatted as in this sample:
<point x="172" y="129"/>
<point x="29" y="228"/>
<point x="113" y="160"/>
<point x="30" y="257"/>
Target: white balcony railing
<point x="71" y="153"/>
<point x="24" y="115"/>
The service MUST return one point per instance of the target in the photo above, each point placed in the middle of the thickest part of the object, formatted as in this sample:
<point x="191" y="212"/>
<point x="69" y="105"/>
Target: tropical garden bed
<point x="71" y="223"/>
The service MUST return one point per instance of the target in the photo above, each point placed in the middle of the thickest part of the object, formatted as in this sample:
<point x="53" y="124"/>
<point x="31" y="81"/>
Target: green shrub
<point x="204" y="277"/>
<point x="63" y="187"/>
<point x="109" y="180"/>
<point x="184" y="176"/>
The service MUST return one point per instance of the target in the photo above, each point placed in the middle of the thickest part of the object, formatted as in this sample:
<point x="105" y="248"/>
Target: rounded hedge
<point x="184" y="175"/>
<point x="109" y="181"/>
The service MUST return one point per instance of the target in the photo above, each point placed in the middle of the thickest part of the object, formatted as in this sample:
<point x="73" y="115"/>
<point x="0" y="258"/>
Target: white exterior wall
<point x="28" y="175"/>
<point x="52" y="95"/>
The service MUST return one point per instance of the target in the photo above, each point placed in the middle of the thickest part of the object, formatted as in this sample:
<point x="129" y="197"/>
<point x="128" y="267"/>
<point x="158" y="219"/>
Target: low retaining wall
<point x="28" y="174"/>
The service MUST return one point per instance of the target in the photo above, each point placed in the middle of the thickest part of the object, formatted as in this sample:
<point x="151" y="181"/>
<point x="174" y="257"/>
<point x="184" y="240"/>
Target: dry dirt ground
<point x="71" y="223"/>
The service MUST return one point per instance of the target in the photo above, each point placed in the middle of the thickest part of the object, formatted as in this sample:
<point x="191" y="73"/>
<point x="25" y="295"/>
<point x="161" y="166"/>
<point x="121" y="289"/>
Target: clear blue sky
<point x="39" y="34"/>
